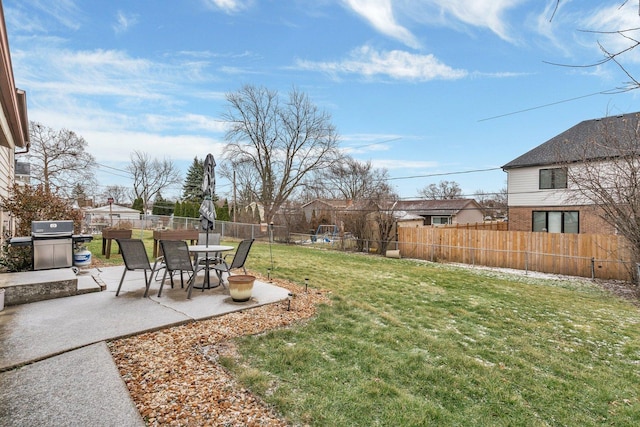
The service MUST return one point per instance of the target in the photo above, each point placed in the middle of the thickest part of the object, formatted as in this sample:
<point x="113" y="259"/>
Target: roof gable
<point x="586" y="140"/>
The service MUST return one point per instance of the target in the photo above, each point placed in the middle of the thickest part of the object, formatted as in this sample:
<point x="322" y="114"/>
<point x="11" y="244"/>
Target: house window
<point x="440" y="220"/>
<point x="553" y="178"/>
<point x="556" y="221"/>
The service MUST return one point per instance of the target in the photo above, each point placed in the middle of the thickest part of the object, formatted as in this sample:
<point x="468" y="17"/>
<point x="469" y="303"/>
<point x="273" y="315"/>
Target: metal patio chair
<point x="239" y="259"/>
<point x="135" y="257"/>
<point x="213" y="258"/>
<point x="178" y="259"/>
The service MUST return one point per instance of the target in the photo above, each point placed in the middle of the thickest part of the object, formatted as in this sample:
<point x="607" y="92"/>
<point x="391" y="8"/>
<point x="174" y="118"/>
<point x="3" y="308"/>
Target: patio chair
<point x="239" y="259"/>
<point x="213" y="258"/>
<point x="177" y="259"/>
<point x="135" y="257"/>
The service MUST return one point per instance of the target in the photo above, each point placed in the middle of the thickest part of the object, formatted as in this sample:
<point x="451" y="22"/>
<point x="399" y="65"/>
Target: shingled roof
<point x="585" y="141"/>
<point x="436" y="207"/>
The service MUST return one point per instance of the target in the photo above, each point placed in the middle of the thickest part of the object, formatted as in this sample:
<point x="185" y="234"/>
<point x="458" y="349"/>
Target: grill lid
<point x="51" y="228"/>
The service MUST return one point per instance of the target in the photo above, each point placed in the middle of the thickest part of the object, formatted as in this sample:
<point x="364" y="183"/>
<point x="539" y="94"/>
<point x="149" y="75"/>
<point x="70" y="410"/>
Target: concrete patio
<point x="55" y="367"/>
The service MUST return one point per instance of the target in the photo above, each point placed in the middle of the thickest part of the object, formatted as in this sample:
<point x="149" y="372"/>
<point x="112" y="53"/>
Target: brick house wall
<point x="520" y="219"/>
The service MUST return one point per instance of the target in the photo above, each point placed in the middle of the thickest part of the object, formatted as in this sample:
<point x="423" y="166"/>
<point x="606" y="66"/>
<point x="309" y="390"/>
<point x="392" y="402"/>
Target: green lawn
<point x="408" y="343"/>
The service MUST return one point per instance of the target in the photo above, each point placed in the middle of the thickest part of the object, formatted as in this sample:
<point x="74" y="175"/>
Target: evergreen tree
<point x="192" y="187"/>
<point x="162" y="206"/>
<point x="138" y="205"/>
<point x="177" y="209"/>
<point x="222" y="212"/>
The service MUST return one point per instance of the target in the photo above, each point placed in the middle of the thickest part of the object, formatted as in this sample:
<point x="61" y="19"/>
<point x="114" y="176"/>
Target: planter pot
<point x="240" y="287"/>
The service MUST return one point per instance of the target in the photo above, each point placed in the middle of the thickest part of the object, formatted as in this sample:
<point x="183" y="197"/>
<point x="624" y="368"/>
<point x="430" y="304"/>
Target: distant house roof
<point x="585" y="141"/>
<point x="114" y="209"/>
<point x="331" y="203"/>
<point x="436" y="207"/>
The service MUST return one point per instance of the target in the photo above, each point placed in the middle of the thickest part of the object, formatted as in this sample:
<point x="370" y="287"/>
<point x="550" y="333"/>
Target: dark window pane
<point x="539" y="221"/>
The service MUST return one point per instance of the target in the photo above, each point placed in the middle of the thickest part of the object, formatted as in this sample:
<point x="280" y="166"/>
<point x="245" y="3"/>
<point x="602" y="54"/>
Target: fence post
<point x="593" y="268"/>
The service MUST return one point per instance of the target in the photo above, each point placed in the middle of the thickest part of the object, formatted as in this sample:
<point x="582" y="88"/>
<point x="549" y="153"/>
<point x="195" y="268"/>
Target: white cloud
<point x="488" y="14"/>
<point x="379" y="13"/>
<point x="612" y="18"/>
<point x="396" y="64"/>
<point x="124" y="22"/>
<point x="63" y="11"/>
<point x="385" y="15"/>
<point x="228" y="6"/>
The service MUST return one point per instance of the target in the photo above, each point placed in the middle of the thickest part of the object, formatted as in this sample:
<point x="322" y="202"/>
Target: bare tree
<point x="629" y="35"/>
<point x="121" y="195"/>
<point x="493" y="205"/>
<point x="150" y="176"/>
<point x="607" y="176"/>
<point x="279" y="142"/>
<point x="442" y="190"/>
<point x="354" y="180"/>
<point x="59" y="160"/>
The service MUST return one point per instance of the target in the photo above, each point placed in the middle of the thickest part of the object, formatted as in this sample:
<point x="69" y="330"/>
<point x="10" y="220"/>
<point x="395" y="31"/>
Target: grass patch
<point x="414" y="343"/>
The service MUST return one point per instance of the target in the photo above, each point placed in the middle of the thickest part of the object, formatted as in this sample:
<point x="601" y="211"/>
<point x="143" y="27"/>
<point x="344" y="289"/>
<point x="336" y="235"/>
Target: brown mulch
<point x="173" y="375"/>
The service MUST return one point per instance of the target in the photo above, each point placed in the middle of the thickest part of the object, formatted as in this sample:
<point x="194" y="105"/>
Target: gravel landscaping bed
<point x="173" y="375"/>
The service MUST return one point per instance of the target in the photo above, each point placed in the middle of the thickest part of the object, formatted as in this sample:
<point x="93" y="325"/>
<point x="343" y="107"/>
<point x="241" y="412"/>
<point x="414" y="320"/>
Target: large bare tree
<point x="354" y="180"/>
<point x="442" y="190"/>
<point x="277" y="142"/>
<point x="150" y="176"/>
<point x="59" y="160"/>
<point x="120" y="194"/>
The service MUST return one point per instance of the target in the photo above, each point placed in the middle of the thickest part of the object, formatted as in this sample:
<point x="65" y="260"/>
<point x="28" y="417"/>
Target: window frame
<point x="566" y="217"/>
<point x="556" y="177"/>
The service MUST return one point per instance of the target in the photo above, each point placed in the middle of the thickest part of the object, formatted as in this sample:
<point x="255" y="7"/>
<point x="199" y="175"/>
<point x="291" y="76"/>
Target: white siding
<point x="523" y="189"/>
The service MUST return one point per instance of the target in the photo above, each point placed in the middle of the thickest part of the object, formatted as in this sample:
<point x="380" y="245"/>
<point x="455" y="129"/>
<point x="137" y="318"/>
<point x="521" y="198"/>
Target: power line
<point x="604" y="92"/>
<point x="443" y="174"/>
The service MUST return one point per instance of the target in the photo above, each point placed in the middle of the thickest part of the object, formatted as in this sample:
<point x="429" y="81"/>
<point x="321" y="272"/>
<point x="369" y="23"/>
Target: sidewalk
<point x="55" y="368"/>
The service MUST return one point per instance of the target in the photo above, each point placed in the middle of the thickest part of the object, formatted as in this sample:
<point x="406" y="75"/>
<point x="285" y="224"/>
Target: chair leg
<point x="147" y="283"/>
<point x="121" y="280"/>
<point x="190" y="283"/>
<point x="164" y="276"/>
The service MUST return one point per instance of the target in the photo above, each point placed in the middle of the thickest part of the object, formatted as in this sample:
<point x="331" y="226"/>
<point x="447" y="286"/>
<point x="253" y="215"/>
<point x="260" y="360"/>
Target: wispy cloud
<point x="489" y="14"/>
<point x="612" y="18"/>
<point x="396" y="64"/>
<point x="64" y="12"/>
<point x="124" y="22"/>
<point x="380" y="15"/>
<point x="391" y="17"/>
<point x="228" y="6"/>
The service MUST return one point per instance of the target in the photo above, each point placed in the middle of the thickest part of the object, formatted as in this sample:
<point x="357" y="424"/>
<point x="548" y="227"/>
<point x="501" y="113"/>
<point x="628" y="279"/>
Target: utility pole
<point x="235" y="206"/>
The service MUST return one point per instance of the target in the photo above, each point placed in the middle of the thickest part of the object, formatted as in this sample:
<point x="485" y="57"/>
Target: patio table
<point x="198" y="249"/>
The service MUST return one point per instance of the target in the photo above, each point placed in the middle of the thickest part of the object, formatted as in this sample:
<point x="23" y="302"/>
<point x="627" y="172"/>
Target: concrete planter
<point x="240" y="287"/>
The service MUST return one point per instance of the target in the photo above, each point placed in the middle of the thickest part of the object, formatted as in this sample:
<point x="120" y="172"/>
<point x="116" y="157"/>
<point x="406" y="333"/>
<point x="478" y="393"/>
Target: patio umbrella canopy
<point x="207" y="208"/>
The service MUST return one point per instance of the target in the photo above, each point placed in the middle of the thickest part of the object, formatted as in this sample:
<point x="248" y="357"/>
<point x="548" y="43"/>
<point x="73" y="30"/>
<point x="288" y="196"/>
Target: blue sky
<point x="431" y="90"/>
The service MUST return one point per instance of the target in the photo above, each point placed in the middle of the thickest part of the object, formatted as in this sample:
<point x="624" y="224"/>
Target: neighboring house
<point x="324" y="211"/>
<point x="102" y="216"/>
<point x="22" y="173"/>
<point x="539" y="193"/>
<point x="14" y="124"/>
<point x="440" y="212"/>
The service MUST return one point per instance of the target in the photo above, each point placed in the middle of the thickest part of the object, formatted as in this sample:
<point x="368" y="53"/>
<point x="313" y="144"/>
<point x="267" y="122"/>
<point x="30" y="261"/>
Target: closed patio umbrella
<point x="207" y="208"/>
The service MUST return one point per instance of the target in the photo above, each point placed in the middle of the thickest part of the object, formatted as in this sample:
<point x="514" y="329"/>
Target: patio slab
<point x="35" y="331"/>
<point x="55" y="367"/>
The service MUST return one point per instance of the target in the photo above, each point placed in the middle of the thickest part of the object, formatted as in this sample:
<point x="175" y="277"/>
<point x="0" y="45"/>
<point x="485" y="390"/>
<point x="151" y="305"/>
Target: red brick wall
<point x="520" y="219"/>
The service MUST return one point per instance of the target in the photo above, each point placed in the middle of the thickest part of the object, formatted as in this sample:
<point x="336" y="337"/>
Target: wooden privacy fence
<point x="586" y="255"/>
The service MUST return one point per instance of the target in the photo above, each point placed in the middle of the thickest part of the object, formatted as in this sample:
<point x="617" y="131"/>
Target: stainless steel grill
<point x="52" y="244"/>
